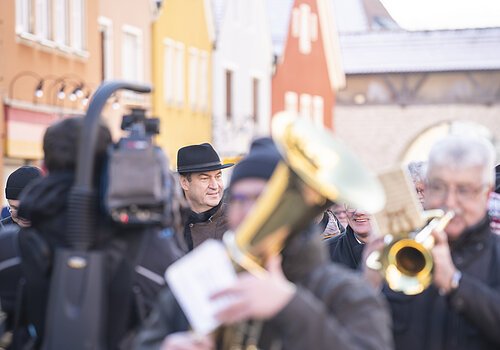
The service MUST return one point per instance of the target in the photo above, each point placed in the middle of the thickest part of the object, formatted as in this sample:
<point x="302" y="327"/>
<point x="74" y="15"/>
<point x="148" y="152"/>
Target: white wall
<point x="243" y="46"/>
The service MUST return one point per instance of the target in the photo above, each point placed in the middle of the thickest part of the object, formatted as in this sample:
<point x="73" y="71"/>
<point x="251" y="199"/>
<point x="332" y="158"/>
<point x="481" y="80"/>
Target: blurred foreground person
<point x="135" y="257"/>
<point x="200" y="171"/>
<point x="304" y="301"/>
<point x="461" y="309"/>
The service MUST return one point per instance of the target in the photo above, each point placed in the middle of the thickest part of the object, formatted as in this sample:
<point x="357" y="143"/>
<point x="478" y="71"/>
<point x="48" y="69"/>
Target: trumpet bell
<point x="409" y="267"/>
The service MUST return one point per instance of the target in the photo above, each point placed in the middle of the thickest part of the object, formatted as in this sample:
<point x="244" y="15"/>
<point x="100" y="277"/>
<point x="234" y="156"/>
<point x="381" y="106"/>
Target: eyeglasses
<point x="463" y="193"/>
<point x="242" y="199"/>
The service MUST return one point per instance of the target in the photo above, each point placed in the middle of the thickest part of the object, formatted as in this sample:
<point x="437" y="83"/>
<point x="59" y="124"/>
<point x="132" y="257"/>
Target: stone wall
<point x="381" y="135"/>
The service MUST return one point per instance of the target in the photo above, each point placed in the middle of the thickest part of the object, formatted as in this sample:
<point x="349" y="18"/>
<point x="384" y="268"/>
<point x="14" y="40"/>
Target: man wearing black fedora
<point x="200" y="171"/>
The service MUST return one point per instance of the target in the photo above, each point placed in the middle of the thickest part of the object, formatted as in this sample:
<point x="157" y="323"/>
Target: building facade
<point x="125" y="34"/>
<point x="405" y="89"/>
<point x="49" y="66"/>
<point x="183" y="37"/>
<point x="242" y="70"/>
<point x="309" y="71"/>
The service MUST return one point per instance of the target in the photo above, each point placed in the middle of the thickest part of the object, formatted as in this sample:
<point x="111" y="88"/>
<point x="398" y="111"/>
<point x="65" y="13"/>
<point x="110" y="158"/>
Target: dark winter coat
<point x="210" y="224"/>
<point x="135" y="259"/>
<point x="467" y="319"/>
<point x="333" y="308"/>
<point x="345" y="249"/>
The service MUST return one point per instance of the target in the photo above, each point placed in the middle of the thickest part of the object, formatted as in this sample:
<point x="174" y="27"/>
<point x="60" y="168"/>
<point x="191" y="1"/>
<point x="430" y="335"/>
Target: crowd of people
<point x="318" y="293"/>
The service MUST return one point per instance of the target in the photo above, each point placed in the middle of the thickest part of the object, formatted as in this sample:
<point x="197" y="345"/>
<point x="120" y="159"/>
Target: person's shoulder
<point x="332" y="242"/>
<point x="341" y="282"/>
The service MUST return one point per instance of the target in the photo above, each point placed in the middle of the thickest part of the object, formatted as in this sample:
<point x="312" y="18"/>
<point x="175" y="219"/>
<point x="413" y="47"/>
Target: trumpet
<point x="406" y="261"/>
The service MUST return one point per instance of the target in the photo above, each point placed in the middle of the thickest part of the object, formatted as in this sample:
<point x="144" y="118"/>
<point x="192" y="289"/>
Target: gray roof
<point x="422" y="51"/>
<point x="279" y="13"/>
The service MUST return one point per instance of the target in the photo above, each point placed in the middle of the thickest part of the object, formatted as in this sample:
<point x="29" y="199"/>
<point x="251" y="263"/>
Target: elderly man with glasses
<point x="461" y="309"/>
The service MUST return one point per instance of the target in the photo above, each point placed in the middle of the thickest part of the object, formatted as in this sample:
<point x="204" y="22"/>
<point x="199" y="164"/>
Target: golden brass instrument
<point x="406" y="260"/>
<point x="316" y="170"/>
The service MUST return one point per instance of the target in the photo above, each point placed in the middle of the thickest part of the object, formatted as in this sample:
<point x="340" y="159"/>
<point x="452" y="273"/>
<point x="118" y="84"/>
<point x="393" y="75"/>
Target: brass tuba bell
<point x="316" y="170"/>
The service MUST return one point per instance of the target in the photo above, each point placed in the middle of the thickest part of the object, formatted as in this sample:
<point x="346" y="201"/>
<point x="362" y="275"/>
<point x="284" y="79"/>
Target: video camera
<point x="136" y="185"/>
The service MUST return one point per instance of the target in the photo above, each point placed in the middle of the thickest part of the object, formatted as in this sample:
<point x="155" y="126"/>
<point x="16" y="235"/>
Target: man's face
<point x="420" y="187"/>
<point x="13" y="208"/>
<point x="340" y="212"/>
<point x="359" y="222"/>
<point x="460" y="190"/>
<point x="204" y="190"/>
<point x="242" y="198"/>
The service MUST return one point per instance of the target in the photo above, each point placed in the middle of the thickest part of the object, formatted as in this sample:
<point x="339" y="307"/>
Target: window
<point x="24" y="24"/>
<point x="295" y="22"/>
<point x="305" y="29"/>
<point x="106" y="37"/>
<point x="314" y="26"/>
<point x="204" y="80"/>
<point x="291" y="102"/>
<point x="78" y="24"/>
<point x="305" y="106"/>
<point x="318" y="107"/>
<point x="168" y="70"/>
<point x="179" y="73"/>
<point x="61" y="22"/>
<point x="193" y="77"/>
<point x="131" y="53"/>
<point x="229" y="95"/>
<point x="255" y="99"/>
<point x="43" y="19"/>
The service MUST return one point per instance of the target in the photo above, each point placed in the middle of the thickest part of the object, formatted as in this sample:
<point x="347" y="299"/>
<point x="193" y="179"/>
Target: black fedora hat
<point x="199" y="158"/>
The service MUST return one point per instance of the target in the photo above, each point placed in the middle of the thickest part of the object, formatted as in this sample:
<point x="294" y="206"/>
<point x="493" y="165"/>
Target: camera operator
<point x="136" y="257"/>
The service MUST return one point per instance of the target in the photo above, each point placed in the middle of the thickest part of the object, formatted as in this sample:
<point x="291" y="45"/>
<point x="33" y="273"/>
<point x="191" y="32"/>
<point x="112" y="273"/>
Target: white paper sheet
<point x="195" y="278"/>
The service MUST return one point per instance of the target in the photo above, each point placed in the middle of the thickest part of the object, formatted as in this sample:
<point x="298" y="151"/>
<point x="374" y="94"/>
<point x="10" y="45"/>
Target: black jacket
<point x="345" y="249"/>
<point x="135" y="259"/>
<point x="467" y="319"/>
<point x="333" y="308"/>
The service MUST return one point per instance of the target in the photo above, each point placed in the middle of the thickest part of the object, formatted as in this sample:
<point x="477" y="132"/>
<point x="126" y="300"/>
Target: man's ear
<point x="184" y="183"/>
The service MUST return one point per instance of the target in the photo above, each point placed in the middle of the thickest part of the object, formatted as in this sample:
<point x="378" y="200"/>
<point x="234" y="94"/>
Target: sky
<point x="444" y="14"/>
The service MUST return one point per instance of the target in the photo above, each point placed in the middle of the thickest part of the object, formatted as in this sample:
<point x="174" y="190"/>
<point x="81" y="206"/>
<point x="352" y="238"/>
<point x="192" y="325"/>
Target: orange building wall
<point x="19" y="55"/>
<point x="303" y="73"/>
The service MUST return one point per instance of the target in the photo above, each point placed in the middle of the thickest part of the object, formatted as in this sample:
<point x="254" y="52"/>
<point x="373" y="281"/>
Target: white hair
<point x="417" y="170"/>
<point x="464" y="151"/>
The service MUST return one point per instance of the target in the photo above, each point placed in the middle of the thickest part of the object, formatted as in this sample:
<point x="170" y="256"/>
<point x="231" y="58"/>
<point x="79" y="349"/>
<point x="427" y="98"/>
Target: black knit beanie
<point x="259" y="163"/>
<point x="18" y="180"/>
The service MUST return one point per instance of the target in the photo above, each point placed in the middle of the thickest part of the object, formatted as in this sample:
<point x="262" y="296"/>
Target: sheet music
<point x="194" y="278"/>
<point x="403" y="212"/>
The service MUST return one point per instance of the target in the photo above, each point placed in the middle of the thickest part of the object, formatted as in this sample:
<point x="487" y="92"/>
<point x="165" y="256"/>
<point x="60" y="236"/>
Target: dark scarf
<point x="196" y="218"/>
